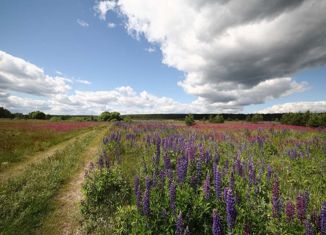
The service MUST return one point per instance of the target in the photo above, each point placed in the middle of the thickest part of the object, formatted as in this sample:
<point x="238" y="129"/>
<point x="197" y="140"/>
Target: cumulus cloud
<point x="82" y="23"/>
<point x="102" y="7"/>
<point x="19" y="75"/>
<point x="229" y="51"/>
<point x="313" y="106"/>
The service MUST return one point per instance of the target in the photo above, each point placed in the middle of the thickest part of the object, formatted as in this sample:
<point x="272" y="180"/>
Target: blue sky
<point x="70" y="40"/>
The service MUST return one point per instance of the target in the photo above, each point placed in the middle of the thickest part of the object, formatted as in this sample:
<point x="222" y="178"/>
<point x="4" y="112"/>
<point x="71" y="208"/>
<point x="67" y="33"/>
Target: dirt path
<point x="17" y="169"/>
<point x="65" y="217"/>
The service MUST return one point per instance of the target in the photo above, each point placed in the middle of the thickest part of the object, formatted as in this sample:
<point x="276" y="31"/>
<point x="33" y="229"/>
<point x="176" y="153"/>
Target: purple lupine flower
<point x="309" y="228"/>
<point x="206" y="187"/>
<point x="217" y="183"/>
<point x="225" y="193"/>
<point x="276" y="201"/>
<point x="289" y="211"/>
<point x="269" y="172"/>
<point x="167" y="162"/>
<point x="182" y="166"/>
<point x="216" y="226"/>
<point x="230" y="209"/>
<point x="172" y="194"/>
<point x="252" y="173"/>
<point x="137" y="192"/>
<point x="323" y="219"/>
<point x="239" y="167"/>
<point x="147" y="195"/>
<point x="301" y="207"/>
<point x="179" y="224"/>
<point x="198" y="169"/>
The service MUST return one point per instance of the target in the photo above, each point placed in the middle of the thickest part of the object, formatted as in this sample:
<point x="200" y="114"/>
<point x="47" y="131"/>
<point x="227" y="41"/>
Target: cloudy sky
<point x="163" y="56"/>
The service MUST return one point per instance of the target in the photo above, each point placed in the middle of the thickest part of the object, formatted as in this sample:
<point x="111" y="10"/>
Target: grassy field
<point x="232" y="178"/>
<point x="28" y="196"/>
<point x="167" y="178"/>
<point x="21" y="138"/>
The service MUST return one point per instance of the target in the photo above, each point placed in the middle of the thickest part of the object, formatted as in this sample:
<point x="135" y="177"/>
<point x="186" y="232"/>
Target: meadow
<point x="20" y="138"/>
<point x="163" y="177"/>
<point x="232" y="178"/>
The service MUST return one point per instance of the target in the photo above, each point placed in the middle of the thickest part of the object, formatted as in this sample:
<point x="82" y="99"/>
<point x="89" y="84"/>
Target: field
<point x="161" y="177"/>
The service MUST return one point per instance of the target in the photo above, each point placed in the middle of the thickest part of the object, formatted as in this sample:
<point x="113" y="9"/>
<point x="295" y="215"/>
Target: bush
<point x="189" y="120"/>
<point x="104" y="191"/>
<point x="37" y="115"/>
<point x="257" y="118"/>
<point x="110" y="116"/>
<point x="216" y="119"/>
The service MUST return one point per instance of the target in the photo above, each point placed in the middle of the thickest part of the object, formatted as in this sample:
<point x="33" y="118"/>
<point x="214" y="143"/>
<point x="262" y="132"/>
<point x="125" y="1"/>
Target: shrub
<point x="110" y="116"/>
<point x="104" y="190"/>
<point x="216" y="119"/>
<point x="37" y="115"/>
<point x="189" y="120"/>
<point x="257" y="118"/>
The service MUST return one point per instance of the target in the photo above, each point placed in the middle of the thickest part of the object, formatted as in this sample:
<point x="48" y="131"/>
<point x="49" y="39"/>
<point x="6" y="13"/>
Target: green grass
<point x="25" y="200"/>
<point x="20" y="138"/>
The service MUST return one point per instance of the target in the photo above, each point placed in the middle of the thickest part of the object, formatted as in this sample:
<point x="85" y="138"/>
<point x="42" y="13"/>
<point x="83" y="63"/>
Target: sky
<point x="163" y="56"/>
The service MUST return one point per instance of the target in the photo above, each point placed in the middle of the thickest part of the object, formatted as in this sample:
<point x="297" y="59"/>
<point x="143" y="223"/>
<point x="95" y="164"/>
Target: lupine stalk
<point x="301" y="207"/>
<point x="289" y="211"/>
<point x="207" y="187"/>
<point x="309" y="228"/>
<point x="172" y="192"/>
<point x="276" y="201"/>
<point x="230" y="209"/>
<point x="137" y="192"/>
<point x="179" y="225"/>
<point x="323" y="219"/>
<point x="147" y="195"/>
<point x="216" y="226"/>
<point x="217" y="183"/>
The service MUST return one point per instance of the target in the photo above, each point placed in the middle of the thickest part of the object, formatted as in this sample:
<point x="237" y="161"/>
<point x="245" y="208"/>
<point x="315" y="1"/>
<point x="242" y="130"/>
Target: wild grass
<point x="21" y="138"/>
<point x="25" y="199"/>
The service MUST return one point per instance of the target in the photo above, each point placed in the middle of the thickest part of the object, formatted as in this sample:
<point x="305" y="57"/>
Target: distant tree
<point x="37" y="115"/>
<point x="5" y="113"/>
<point x="248" y="118"/>
<point x="107" y="116"/>
<point x="19" y="116"/>
<point x="189" y="120"/>
<point x="127" y="119"/>
<point x="216" y="119"/>
<point x="257" y="118"/>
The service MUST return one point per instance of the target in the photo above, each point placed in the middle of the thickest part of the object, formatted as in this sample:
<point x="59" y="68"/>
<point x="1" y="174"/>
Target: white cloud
<point x="312" y="106"/>
<point x="150" y="49"/>
<point x="228" y="51"/>
<point x="111" y="25"/>
<point x="21" y="76"/>
<point x="82" y="23"/>
<point x="102" y="8"/>
<point x="85" y="82"/>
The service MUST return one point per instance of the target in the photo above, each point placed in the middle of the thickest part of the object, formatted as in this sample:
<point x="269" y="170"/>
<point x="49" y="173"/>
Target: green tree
<point x="5" y="113"/>
<point x="37" y="115"/>
<point x="257" y="118"/>
<point x="110" y="116"/>
<point x="189" y="120"/>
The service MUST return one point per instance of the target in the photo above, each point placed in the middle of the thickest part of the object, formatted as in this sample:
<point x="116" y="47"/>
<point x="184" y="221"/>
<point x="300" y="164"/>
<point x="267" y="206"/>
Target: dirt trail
<point x="65" y="217"/>
<point x="18" y="168"/>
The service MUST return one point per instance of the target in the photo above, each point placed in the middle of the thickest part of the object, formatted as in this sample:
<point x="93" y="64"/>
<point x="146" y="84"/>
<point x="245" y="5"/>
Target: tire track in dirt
<point x="19" y="168"/>
<point x="65" y="216"/>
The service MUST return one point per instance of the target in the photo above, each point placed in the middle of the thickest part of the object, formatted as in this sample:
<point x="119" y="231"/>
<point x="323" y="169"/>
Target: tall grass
<point x="25" y="199"/>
